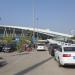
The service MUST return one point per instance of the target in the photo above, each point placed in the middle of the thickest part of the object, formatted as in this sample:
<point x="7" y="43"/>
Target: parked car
<point x="1" y="47"/>
<point x="41" y="46"/>
<point x="65" y="54"/>
<point x="9" y="48"/>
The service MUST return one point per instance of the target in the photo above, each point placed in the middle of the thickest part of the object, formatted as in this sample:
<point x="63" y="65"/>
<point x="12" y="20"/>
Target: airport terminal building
<point x="17" y="31"/>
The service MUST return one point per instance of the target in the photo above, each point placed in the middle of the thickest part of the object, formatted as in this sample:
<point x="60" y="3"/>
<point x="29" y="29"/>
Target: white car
<point x="65" y="54"/>
<point x="41" y="47"/>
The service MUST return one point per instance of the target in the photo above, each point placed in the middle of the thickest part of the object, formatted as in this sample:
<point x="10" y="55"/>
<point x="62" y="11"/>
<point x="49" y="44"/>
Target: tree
<point x="22" y="41"/>
<point x="7" y="39"/>
<point x="73" y="38"/>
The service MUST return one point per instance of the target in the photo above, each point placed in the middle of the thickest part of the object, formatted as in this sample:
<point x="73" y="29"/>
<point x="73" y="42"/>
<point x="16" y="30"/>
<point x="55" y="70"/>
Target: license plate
<point x="73" y="57"/>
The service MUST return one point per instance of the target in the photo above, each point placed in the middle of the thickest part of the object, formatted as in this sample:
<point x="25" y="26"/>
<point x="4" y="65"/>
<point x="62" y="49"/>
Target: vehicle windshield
<point x="40" y="44"/>
<point x="66" y="49"/>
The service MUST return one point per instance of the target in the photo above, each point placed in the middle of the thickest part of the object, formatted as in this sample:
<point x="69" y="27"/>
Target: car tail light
<point x="66" y="55"/>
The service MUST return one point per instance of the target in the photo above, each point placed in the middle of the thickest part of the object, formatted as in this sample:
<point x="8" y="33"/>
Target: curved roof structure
<point x="44" y="31"/>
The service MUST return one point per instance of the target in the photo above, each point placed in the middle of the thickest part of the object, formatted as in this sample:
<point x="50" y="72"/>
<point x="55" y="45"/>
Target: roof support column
<point x="5" y="32"/>
<point x="14" y="35"/>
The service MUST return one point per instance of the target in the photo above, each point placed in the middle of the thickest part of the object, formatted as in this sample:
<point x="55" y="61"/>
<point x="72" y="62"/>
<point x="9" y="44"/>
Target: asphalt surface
<point x="32" y="63"/>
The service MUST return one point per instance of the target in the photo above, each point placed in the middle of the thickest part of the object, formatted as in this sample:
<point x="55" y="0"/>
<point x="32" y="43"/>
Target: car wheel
<point x="60" y="65"/>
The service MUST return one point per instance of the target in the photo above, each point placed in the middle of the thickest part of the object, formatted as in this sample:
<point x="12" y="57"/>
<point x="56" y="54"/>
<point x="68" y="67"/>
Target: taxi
<point x="65" y="54"/>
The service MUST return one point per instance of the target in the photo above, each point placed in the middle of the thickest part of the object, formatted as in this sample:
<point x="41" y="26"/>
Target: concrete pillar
<point x="5" y="32"/>
<point x="22" y="33"/>
<point x="14" y="34"/>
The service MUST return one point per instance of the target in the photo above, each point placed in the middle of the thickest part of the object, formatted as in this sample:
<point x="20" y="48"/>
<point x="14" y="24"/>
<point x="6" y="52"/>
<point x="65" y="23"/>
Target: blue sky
<point x="56" y="15"/>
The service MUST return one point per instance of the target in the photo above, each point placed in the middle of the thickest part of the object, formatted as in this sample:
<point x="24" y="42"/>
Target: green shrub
<point x="7" y="39"/>
<point x="22" y="41"/>
<point x="73" y="37"/>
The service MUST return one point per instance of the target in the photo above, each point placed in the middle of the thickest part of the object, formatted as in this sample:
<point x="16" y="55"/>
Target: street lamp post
<point x="37" y="29"/>
<point x="33" y="18"/>
<point x="33" y="36"/>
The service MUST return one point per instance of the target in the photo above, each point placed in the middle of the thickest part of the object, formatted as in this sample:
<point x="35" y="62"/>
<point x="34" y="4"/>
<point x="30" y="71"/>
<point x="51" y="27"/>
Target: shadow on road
<point x="33" y="67"/>
<point x="3" y="63"/>
<point x="1" y="58"/>
<point x="69" y="66"/>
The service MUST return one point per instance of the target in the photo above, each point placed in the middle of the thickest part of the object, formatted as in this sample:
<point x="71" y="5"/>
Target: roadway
<point x="32" y="63"/>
